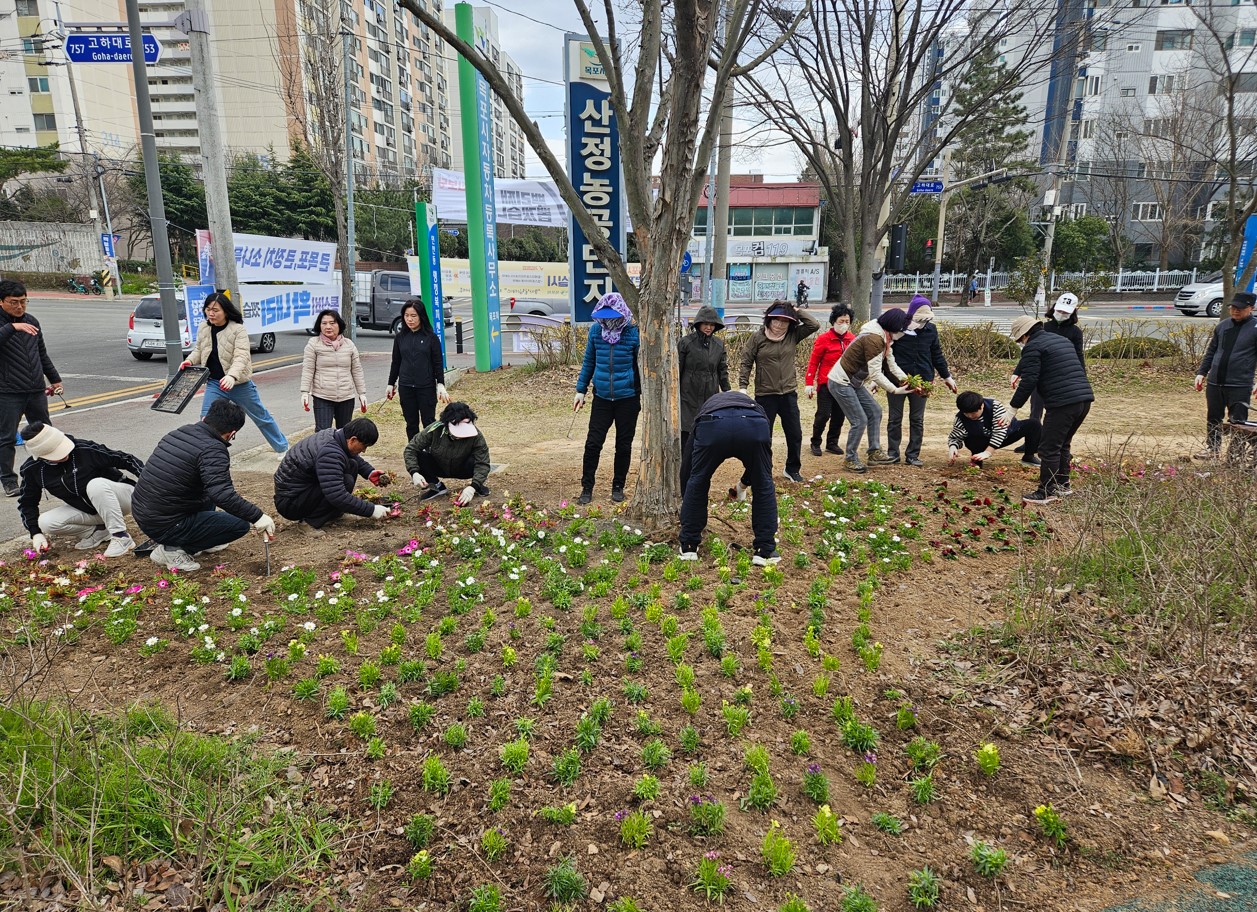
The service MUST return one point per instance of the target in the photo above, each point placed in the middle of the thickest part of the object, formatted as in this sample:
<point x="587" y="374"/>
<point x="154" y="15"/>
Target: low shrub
<point x="1138" y="348"/>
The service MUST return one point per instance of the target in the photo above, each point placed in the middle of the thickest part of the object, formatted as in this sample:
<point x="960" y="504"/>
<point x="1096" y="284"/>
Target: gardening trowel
<point x="266" y="549"/>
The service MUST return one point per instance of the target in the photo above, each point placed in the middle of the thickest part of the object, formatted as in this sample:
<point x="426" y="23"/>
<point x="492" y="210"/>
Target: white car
<point x="1203" y="298"/>
<point x="146" y="335"/>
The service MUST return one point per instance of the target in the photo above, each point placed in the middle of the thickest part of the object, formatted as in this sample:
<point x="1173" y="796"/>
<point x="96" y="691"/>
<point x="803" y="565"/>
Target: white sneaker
<point x="214" y="549"/>
<point x="689" y="555"/>
<point x="740" y="491"/>
<point x="279" y="457"/>
<point x="119" y="545"/>
<point x="92" y="540"/>
<point x="178" y="559"/>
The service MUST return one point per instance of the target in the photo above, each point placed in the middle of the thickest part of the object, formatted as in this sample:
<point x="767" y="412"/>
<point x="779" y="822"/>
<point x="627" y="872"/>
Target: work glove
<point x="380" y="512"/>
<point x="1199" y="382"/>
<point x="418" y="480"/>
<point x="184" y="363"/>
<point x="226" y="383"/>
<point x="903" y="390"/>
<point x="391" y="392"/>
<point x="56" y="389"/>
<point x="305" y="401"/>
<point x="579" y="402"/>
<point x="951" y="455"/>
<point x="811" y="391"/>
<point x="1015" y="381"/>
<point x="982" y="457"/>
<point x="441" y="393"/>
<point x="380" y="479"/>
<point x="265" y="525"/>
<point x="951" y="383"/>
<point x="40" y="543"/>
<point x="465" y="497"/>
<point x="362" y="400"/>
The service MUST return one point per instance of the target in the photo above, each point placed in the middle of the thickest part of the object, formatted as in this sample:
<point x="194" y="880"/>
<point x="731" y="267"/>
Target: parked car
<point x="146" y="334"/>
<point x="1203" y="298"/>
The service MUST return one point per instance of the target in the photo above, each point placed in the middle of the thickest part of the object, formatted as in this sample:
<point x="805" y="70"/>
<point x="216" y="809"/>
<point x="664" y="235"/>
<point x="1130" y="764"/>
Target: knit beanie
<point x="893" y="321"/>
<point x="918" y="301"/>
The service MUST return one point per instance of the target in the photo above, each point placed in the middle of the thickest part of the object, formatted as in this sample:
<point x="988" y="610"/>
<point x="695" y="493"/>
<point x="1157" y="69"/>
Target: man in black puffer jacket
<point x="183" y="484"/>
<point x="1229" y="367"/>
<point x="315" y="482"/>
<point x="1050" y="365"/>
<point x="24" y="363"/>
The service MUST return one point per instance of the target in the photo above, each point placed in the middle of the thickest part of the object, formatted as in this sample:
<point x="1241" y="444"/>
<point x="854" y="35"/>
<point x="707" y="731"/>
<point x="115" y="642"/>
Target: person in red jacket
<point x="827" y="349"/>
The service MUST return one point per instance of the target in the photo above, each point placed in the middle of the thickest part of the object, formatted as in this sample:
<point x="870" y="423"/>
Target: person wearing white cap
<point x="450" y="448"/>
<point x="89" y="478"/>
<point x="1061" y="318"/>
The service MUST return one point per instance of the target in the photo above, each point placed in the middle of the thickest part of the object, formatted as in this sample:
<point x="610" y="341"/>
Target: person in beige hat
<point x="89" y="477"/>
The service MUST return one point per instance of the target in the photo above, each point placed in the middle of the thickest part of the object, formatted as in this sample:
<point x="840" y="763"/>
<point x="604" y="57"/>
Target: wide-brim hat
<point x="465" y="428"/>
<point x="50" y="444"/>
<point x="782" y="311"/>
<point x="1021" y="326"/>
<point x="606" y="313"/>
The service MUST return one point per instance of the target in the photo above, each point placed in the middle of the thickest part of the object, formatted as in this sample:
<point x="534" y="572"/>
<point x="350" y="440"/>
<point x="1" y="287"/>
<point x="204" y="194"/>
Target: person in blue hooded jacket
<point x="611" y="365"/>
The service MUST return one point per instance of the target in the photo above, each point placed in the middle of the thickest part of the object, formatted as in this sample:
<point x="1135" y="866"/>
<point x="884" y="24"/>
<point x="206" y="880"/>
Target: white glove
<point x="380" y="512"/>
<point x="951" y="455"/>
<point x="392" y="391"/>
<point x="362" y="401"/>
<point x="951" y="384"/>
<point x="305" y="401"/>
<point x="441" y="393"/>
<point x="465" y="497"/>
<point x="903" y="391"/>
<point x="579" y="402"/>
<point x="226" y="383"/>
<point x="1015" y="381"/>
<point x="982" y="457"/>
<point x="265" y="525"/>
<point x="40" y="542"/>
<point x="743" y="391"/>
<point x="419" y="481"/>
<point x="1199" y="382"/>
<point x="811" y="391"/>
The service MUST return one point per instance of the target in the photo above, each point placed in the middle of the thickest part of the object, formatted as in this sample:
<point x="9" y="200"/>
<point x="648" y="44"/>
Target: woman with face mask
<point x="611" y="365"/>
<point x="869" y="357"/>
<point x="331" y="374"/>
<point x="826" y="351"/>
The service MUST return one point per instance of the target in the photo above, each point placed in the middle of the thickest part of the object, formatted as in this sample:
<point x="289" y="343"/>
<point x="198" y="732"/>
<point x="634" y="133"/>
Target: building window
<point x="1134" y="47"/>
<point x="1147" y="212"/>
<point x="1160" y="85"/>
<point x="1174" y="40"/>
<point x="1099" y="44"/>
<point x="1077" y="210"/>
<point x="765" y="221"/>
<point x="1082" y="171"/>
<point x="45" y="122"/>
<point x="27" y="7"/>
<point x="1245" y="82"/>
<point x="37" y="84"/>
<point x="1128" y="92"/>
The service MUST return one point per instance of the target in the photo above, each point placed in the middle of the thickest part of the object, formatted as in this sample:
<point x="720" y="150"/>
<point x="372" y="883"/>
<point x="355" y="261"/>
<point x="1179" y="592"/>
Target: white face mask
<point x="896" y="336"/>
<point x="1059" y="316"/>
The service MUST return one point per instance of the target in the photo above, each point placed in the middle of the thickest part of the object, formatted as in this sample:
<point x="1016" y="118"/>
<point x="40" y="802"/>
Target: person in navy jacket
<point x="611" y="365"/>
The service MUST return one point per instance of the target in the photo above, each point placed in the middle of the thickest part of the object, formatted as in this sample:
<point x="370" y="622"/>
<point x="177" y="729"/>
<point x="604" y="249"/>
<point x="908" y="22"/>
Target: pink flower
<point x="30" y="554"/>
<point x="131" y="590"/>
<point x="163" y="584"/>
<point x="335" y="575"/>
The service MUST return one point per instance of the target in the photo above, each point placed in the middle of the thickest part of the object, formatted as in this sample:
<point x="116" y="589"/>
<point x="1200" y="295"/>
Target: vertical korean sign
<point x="593" y="157"/>
<point x="478" y="161"/>
<point x="430" y="268"/>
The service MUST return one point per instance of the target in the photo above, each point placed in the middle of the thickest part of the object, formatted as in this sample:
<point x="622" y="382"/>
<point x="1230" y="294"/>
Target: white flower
<point x="151" y="641"/>
<point x="237" y="611"/>
<point x="320" y="594"/>
<point x="541" y="533"/>
<point x="292" y="596"/>
<point x="308" y="626"/>
<point x="894" y="538"/>
<point x="202" y="628"/>
<point x="205" y="600"/>
<point x="176" y="601"/>
<point x="332" y="601"/>
<point x="242" y="597"/>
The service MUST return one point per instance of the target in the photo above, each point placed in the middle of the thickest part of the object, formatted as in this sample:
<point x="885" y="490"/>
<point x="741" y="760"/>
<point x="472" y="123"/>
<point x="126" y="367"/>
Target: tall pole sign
<point x="478" y="161"/>
<point x="428" y="249"/>
<point x="593" y="165"/>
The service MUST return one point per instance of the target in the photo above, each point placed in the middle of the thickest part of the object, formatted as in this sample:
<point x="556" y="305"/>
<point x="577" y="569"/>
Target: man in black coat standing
<point x="315" y="482"/>
<point x="24" y="363"/>
<point x="1050" y="365"/>
<point x="1229" y="365"/>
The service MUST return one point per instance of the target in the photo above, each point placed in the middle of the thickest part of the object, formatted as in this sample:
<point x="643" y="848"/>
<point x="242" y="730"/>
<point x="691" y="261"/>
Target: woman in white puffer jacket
<point x="331" y="373"/>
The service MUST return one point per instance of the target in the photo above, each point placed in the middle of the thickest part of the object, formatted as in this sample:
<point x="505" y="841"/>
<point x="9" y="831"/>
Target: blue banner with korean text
<point x="266" y="308"/>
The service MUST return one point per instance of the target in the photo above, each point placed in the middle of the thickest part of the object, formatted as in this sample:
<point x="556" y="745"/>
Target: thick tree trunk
<point x="658" y="493"/>
<point x="343" y="254"/>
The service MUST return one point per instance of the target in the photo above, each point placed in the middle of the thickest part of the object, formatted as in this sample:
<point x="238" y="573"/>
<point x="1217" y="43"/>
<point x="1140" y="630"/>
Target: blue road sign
<point x="108" y="47"/>
<point x="451" y="231"/>
<point x="106" y="244"/>
<point x="686" y="262"/>
<point x="928" y="186"/>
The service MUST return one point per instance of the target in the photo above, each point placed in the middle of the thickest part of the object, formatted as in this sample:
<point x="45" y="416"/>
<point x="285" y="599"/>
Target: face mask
<point x="1059" y="317"/>
<point x="1021" y="344"/>
<point x="896" y="336"/>
<point x="841" y="328"/>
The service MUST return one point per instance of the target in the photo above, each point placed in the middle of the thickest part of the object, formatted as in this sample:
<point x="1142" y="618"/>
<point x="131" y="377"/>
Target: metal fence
<point x="1153" y="280"/>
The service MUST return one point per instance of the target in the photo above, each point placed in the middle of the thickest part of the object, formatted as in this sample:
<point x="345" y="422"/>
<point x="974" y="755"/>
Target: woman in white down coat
<point x="331" y="373"/>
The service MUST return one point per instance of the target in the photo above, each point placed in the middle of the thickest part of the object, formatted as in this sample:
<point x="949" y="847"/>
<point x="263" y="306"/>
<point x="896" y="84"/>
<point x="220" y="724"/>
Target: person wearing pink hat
<point x="450" y="448"/>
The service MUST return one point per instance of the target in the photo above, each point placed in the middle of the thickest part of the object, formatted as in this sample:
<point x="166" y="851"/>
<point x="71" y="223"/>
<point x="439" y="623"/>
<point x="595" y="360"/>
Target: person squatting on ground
<point x="826" y="350"/>
<point x="1228" y="367"/>
<point x="704" y="371"/>
<point x="771" y="351"/>
<point x="1061" y="318"/>
<point x="1050" y="365"/>
<point x="985" y="425"/>
<point x="88" y="477"/>
<point x="222" y="345"/>
<point x="450" y="448"/>
<point x="611" y="364"/>
<point x="24" y="363"/>
<point x="869" y="357"/>
<point x="731" y="425"/>
<point x="918" y="352"/>
<point x="315" y="482"/>
<point x="417" y="373"/>
<point x="185" y="501"/>
<point x="331" y="373"/>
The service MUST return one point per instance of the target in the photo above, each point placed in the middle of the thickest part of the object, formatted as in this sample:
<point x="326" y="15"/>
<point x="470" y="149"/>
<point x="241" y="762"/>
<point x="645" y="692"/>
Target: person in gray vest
<point x="1226" y="373"/>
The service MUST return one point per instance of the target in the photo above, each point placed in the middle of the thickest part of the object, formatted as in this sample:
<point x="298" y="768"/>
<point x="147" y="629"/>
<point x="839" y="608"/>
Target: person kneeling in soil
<point x="183" y="484"/>
<point x="731" y="425"/>
<point x="315" y="481"/>
<point x="985" y="425"/>
<point x="450" y="448"/>
<point x="88" y="477"/>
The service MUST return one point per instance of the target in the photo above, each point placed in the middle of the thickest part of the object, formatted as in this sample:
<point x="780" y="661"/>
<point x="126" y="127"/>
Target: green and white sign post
<point x="482" y="237"/>
<point x="429" y="255"/>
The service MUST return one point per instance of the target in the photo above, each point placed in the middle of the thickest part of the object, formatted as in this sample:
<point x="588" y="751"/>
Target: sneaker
<point x="310" y="530"/>
<point x="92" y="540"/>
<point x="215" y="549"/>
<point x="833" y="448"/>
<point x="1204" y="455"/>
<point x="855" y="465"/>
<point x="1063" y="490"/>
<point x="617" y="495"/>
<point x="689" y="552"/>
<point x="586" y="495"/>
<point x="178" y="559"/>
<point x="481" y="489"/>
<point x="881" y="457"/>
<point x="1032" y="462"/>
<point x="12" y="490"/>
<point x="796" y="477"/>
<point x="738" y="491"/>
<point x="1038" y="497"/>
<point x="766" y="560"/>
<point x="119" y="545"/>
<point x="913" y="461"/>
<point x="816" y="450"/>
<point x="435" y="489"/>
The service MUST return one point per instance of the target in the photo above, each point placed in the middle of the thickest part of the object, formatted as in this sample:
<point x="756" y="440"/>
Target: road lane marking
<point x="155" y="385"/>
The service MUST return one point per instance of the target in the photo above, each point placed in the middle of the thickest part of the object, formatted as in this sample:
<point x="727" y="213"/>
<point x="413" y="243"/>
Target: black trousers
<point x="602" y="415"/>
<point x="418" y="405"/>
<point x="326" y="412"/>
<point x="1028" y="430"/>
<point x="731" y="434"/>
<point x="785" y="405"/>
<point x="687" y="458"/>
<point x="827" y="410"/>
<point x="431" y="471"/>
<point x="894" y="424"/>
<point x="310" y="507"/>
<point x="1220" y="402"/>
<point x="13" y="406"/>
<point x="1060" y="424"/>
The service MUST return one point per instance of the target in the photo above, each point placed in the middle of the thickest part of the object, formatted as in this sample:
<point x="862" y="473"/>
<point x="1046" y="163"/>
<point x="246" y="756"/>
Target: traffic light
<point x="898" y="247"/>
<point x="929" y="245"/>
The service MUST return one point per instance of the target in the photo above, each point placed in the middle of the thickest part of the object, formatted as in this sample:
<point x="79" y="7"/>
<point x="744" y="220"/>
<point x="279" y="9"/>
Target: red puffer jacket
<point x="827" y="349"/>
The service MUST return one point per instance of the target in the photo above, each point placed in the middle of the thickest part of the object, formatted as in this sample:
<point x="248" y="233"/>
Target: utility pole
<point x="156" y="205"/>
<point x="196" y="23"/>
<point x="347" y="267"/>
<point x="104" y="201"/>
<point x="724" y="162"/>
<point x="1052" y="200"/>
<point x="93" y="203"/>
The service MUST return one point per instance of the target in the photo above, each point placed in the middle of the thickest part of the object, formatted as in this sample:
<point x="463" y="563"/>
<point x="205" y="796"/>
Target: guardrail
<point x="1154" y="280"/>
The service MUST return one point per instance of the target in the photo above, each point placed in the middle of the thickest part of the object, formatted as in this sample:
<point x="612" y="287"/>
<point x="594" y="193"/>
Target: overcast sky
<point x="537" y="46"/>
